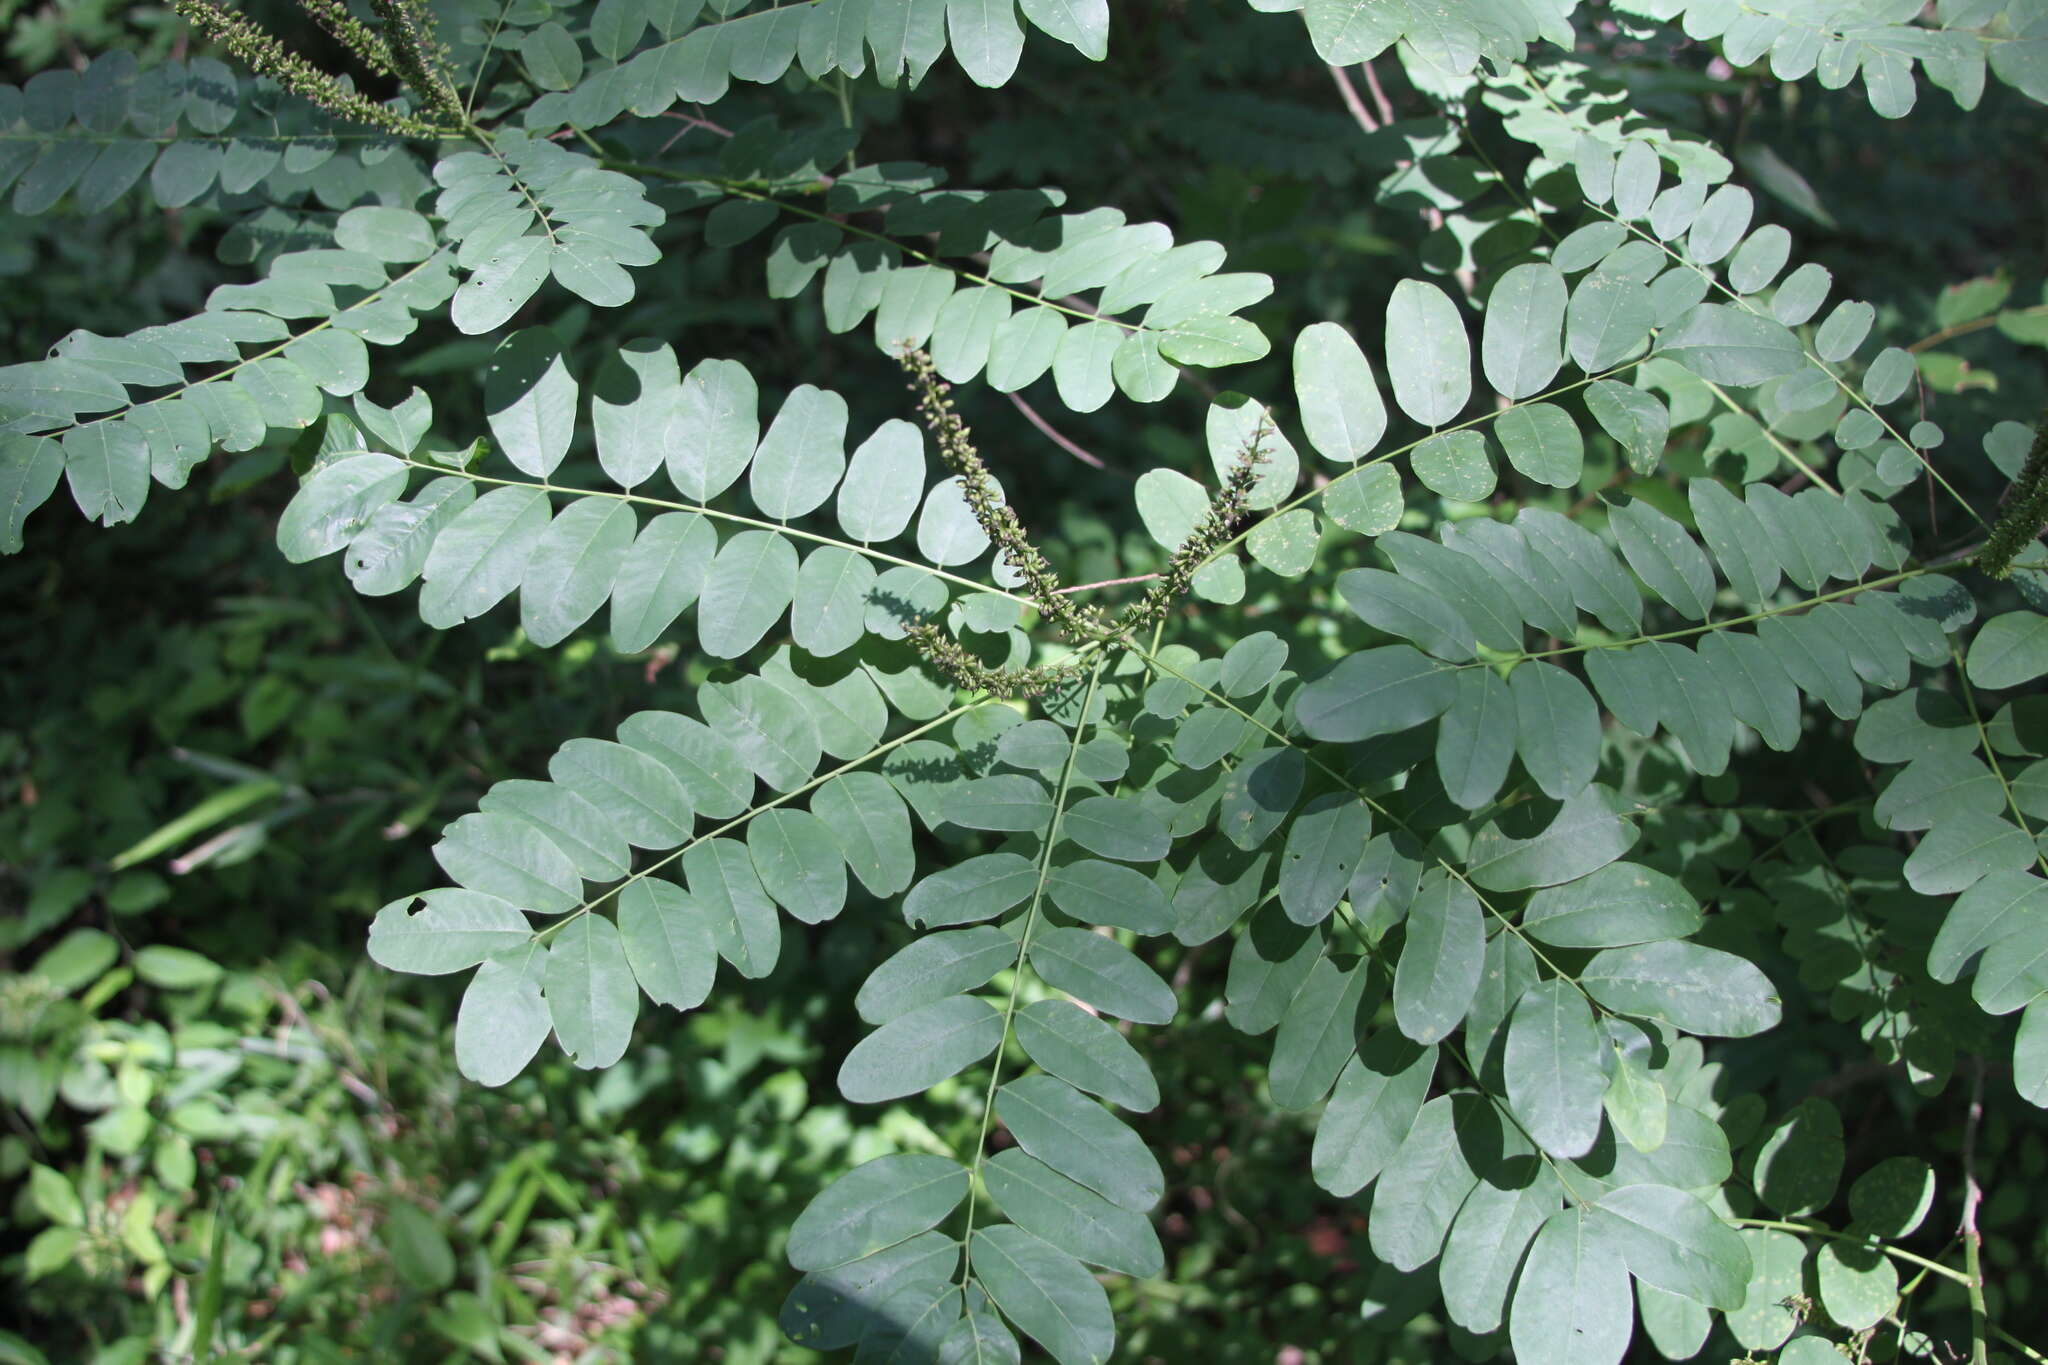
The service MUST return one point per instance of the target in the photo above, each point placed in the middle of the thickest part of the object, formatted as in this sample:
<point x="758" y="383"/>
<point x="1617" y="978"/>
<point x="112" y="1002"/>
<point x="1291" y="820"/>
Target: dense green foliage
<point x="1371" y="719"/>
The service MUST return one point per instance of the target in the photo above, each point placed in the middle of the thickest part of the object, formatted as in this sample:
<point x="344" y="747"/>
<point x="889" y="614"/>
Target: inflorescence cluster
<point x="406" y="51"/>
<point x="2026" y="510"/>
<point x="1075" y="620"/>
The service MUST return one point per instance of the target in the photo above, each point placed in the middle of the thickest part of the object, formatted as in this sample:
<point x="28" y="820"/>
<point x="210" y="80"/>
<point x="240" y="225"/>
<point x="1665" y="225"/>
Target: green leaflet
<point x="1046" y="1292"/>
<point x="1556" y="728"/>
<point x="639" y="797"/>
<point x="1621" y="904"/>
<point x="829" y="604"/>
<point x="1664" y="557"/>
<point x="1116" y="828"/>
<point x="529" y="398"/>
<point x="743" y="922"/>
<point x="569" y="822"/>
<point x="1800" y="1161"/>
<point x="1048" y="1205"/>
<point x="749" y="585"/>
<point x="931" y="968"/>
<point x="883" y="482"/>
<point x="1085" y="1052"/>
<point x="1519" y="345"/>
<point x="1376" y="692"/>
<point x="875" y="1206"/>
<point x="868" y="821"/>
<point x="1554" y="1075"/>
<point x="1893" y="1197"/>
<point x="1757" y="689"/>
<point x="337" y="503"/>
<point x="799" y="863"/>
<point x="1633" y="418"/>
<point x="712" y="770"/>
<point x="1763" y="1320"/>
<point x="1670" y="1239"/>
<point x="1258" y="795"/>
<point x="1268" y="963"/>
<point x="1081" y="1140"/>
<point x="503" y="1019"/>
<point x="1402" y="607"/>
<point x="978" y="888"/>
<point x="1378" y="1096"/>
<point x="1997" y="907"/>
<point x="1333" y="384"/>
<point x="1528" y="847"/>
<point x="1323" y="849"/>
<point x="574" y="567"/>
<point x="392" y="551"/>
<point x="714" y="429"/>
<point x="1542" y="442"/>
<point x="451" y="931"/>
<point x="669" y="943"/>
<point x="1571" y="1304"/>
<point x="768" y="727"/>
<point x="980" y="1338"/>
<point x="1859" y="1285"/>
<point x="1698" y="989"/>
<point x="1319" y="1032"/>
<point x="1475" y="739"/>
<point x="661" y="575"/>
<point x="2030" y="1055"/>
<point x="498" y="855"/>
<point x="802" y="456"/>
<point x="592" y="996"/>
<point x="829" y="1309"/>
<point x="1962" y="850"/>
<point x="1598" y="583"/>
<point x="1429" y="357"/>
<point x="915" y="1051"/>
<point x="2009" y="650"/>
<point x="1421" y="1188"/>
<point x="480" y="557"/>
<point x="915" y="1317"/>
<point x="1102" y="973"/>
<point x="1488" y="1238"/>
<point x="1104" y="893"/>
<point x="1439" y="965"/>
<point x="1608" y="319"/>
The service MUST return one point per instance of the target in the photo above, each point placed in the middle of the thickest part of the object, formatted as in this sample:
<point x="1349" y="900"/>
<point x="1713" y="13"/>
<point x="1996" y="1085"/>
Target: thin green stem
<point x="845" y="94"/>
<point x="1817" y="1230"/>
<point x="659" y="863"/>
<point x="83" y="137"/>
<point x="717" y="514"/>
<point x="1898" y="1254"/>
<point x="483" y="60"/>
<point x="1991" y="757"/>
<point x="1785" y="452"/>
<point x="1973" y="1240"/>
<point x="995" y="1069"/>
<point x="1871" y="585"/>
<point x="744" y="190"/>
<point x="490" y="145"/>
<point x="278" y="348"/>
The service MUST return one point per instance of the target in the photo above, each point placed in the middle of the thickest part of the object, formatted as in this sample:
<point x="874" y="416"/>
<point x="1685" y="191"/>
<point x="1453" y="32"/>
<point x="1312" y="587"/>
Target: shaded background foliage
<point x="379" y="1206"/>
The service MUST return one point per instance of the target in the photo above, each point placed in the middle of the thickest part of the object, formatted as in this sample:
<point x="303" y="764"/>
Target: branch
<point x="1084" y="456"/>
<point x="1352" y="101"/>
<point x="1973" y="1241"/>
